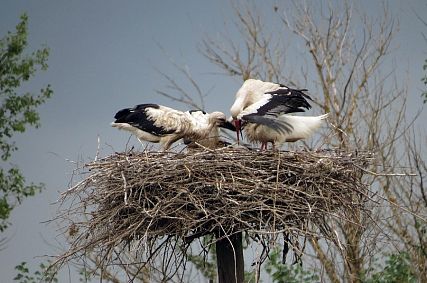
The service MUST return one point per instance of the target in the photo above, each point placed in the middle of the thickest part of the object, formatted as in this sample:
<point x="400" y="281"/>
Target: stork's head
<point x="218" y="119"/>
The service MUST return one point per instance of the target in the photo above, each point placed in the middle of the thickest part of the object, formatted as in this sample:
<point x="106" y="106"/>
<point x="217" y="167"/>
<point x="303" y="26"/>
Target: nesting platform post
<point x="230" y="262"/>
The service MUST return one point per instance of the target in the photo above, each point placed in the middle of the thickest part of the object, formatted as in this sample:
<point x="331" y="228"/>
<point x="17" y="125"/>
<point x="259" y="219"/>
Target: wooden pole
<point x="230" y="263"/>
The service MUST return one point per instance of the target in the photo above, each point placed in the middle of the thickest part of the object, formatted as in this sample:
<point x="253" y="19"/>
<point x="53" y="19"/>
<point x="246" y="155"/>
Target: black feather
<point x="228" y="125"/>
<point x="192" y="111"/>
<point x="278" y="105"/>
<point x="138" y="118"/>
<point x="290" y="91"/>
<point x="269" y="121"/>
<point x="121" y="114"/>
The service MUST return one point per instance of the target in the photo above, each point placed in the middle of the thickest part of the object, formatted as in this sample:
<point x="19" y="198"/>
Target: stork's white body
<point x="301" y="127"/>
<point x="164" y="125"/>
<point x="209" y="140"/>
<point x="262" y="109"/>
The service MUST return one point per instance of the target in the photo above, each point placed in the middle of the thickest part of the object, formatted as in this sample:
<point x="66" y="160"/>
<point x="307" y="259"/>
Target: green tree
<point x="17" y="111"/>
<point x="39" y="276"/>
<point x="281" y="273"/>
<point x="397" y="269"/>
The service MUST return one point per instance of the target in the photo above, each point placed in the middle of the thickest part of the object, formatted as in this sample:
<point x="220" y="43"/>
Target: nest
<point x="146" y="196"/>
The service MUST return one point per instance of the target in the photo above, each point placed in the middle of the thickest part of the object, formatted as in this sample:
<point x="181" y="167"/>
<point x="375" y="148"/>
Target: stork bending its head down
<point x="262" y="108"/>
<point x="160" y="124"/>
<point x="213" y="140"/>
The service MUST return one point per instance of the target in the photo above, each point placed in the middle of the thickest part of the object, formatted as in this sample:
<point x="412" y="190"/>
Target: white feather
<point x="194" y="126"/>
<point x="141" y="135"/>
<point x="254" y="106"/>
<point x="249" y="93"/>
<point x="302" y="128"/>
<point x="169" y="119"/>
<point x="251" y="97"/>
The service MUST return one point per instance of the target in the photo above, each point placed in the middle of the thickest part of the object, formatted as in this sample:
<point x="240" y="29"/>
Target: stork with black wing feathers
<point x="160" y="124"/>
<point x="262" y="109"/>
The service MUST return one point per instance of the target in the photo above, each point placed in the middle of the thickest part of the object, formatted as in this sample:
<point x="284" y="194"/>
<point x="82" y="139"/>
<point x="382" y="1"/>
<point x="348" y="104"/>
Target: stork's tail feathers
<point x="122" y="126"/>
<point x="303" y="126"/>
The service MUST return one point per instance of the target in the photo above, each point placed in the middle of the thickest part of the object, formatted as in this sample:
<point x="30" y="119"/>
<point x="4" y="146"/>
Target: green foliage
<point x="206" y="267"/>
<point x="250" y="276"/>
<point x="205" y="264"/>
<point x="282" y="273"/>
<point x="40" y="276"/>
<point x="397" y="269"/>
<point x="85" y="275"/>
<point x="17" y="111"/>
<point x="424" y="80"/>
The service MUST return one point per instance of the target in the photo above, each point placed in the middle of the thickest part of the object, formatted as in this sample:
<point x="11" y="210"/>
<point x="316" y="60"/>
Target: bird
<point x="161" y="124"/>
<point x="213" y="140"/>
<point x="253" y="91"/>
<point x="262" y="109"/>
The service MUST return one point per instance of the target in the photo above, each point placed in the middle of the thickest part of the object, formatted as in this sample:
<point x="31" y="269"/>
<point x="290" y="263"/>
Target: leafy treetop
<point x="17" y="110"/>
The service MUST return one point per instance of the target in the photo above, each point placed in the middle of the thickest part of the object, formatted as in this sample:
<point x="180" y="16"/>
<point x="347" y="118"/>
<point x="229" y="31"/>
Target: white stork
<point x="160" y="124"/>
<point x="212" y="141"/>
<point x="261" y="108"/>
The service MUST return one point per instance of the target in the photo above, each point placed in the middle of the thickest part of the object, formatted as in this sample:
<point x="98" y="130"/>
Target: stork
<point x="263" y="108"/>
<point x="212" y="141"/>
<point x="160" y="124"/>
<point x="253" y="91"/>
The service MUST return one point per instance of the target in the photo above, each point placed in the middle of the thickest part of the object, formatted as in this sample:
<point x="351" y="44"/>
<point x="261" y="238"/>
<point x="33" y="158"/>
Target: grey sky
<point x="104" y="56"/>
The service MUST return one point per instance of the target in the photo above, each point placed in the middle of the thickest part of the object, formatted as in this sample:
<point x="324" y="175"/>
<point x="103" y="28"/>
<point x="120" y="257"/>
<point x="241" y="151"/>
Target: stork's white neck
<point x="237" y="106"/>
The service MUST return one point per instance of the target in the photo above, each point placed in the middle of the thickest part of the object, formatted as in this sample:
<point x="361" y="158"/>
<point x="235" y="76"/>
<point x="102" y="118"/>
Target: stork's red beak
<point x="238" y="125"/>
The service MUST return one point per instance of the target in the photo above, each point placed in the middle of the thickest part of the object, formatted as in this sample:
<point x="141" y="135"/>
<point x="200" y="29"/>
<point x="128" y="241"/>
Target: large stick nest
<point x="128" y="196"/>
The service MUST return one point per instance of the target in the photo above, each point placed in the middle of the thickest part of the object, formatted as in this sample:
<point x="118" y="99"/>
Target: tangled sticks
<point x="132" y="196"/>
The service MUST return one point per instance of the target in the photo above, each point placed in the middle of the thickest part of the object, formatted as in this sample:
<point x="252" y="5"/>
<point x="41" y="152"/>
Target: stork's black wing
<point x="290" y="91"/>
<point x="269" y="121"/>
<point x="138" y="118"/>
<point x="267" y="114"/>
<point x="283" y="104"/>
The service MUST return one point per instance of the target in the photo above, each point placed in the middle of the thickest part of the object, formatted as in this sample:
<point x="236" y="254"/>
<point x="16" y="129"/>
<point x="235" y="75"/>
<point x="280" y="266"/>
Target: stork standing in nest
<point x="262" y="109"/>
<point x="160" y="124"/>
<point x="213" y="140"/>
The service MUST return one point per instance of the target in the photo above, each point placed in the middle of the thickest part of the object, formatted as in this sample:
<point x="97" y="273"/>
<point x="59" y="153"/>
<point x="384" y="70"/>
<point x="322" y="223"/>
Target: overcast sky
<point x="105" y="55"/>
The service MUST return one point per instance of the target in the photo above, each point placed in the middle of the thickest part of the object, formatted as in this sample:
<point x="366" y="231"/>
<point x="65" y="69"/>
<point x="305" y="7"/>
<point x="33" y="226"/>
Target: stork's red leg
<point x="263" y="146"/>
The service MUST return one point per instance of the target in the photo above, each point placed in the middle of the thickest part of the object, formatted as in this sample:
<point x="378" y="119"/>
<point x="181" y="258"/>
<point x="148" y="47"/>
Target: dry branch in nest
<point x="152" y="198"/>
